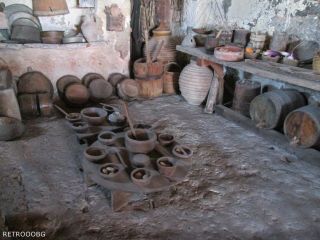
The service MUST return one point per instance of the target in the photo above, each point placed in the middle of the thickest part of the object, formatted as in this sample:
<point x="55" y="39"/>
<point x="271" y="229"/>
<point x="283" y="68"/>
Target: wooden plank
<point x="284" y="76"/>
<point x="213" y="96"/>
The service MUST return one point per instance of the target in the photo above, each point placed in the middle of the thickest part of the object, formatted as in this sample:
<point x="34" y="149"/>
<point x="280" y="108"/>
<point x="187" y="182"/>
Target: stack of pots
<point x="194" y="83"/>
<point x="35" y="92"/>
<point x="23" y="25"/>
<point x="149" y="77"/>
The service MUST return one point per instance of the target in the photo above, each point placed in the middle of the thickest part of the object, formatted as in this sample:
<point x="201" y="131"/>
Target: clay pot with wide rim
<point x="95" y="154"/>
<point x="144" y="143"/>
<point x="94" y="116"/>
<point x="182" y="151"/>
<point x="107" y="138"/>
<point x="79" y="127"/>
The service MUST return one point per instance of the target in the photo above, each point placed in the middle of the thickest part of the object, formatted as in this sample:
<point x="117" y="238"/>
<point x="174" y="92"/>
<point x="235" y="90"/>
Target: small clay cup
<point x="73" y="117"/>
<point x="107" y="138"/>
<point x="94" y="116"/>
<point x="95" y="154"/>
<point x="166" y="166"/>
<point x="114" y="172"/>
<point x="141" y="177"/>
<point x="166" y="139"/>
<point x="79" y="127"/>
<point x="182" y="151"/>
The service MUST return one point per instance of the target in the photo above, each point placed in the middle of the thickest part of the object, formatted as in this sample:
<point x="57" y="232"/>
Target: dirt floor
<point x="240" y="186"/>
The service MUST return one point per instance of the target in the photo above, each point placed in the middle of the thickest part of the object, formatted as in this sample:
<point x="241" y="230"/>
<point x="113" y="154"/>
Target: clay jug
<point x="194" y="83"/>
<point x="91" y="28"/>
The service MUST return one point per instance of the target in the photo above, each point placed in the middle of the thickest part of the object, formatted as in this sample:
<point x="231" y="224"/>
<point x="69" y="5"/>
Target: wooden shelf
<point x="279" y="72"/>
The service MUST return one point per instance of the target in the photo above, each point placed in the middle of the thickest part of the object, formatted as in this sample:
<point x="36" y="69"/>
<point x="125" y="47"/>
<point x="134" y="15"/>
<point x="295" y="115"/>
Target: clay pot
<point x="65" y="81"/>
<point x="141" y="161"/>
<point x="166" y="139"/>
<point x="114" y="172"/>
<point x="107" y="138"/>
<point x="91" y="29"/>
<point x="100" y="90"/>
<point x="94" y="116"/>
<point x="79" y="127"/>
<point x="144" y="143"/>
<point x="229" y="53"/>
<point x="95" y="154"/>
<point x="168" y="167"/>
<point x="194" y="83"/>
<point x="73" y="117"/>
<point x="86" y="80"/>
<point x="33" y="82"/>
<point x="10" y="128"/>
<point x="116" y="78"/>
<point x="147" y="178"/>
<point x="171" y="78"/>
<point x="109" y="108"/>
<point x="211" y="43"/>
<point x="76" y="94"/>
<point x="128" y="89"/>
<point x="181" y="151"/>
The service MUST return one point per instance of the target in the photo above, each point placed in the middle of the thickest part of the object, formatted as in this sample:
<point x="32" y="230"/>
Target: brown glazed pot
<point x="114" y="172"/>
<point x="94" y="116"/>
<point x="145" y="142"/>
<point x="95" y="154"/>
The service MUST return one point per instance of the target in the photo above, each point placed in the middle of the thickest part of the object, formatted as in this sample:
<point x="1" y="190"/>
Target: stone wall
<point x="299" y="17"/>
<point x="111" y="55"/>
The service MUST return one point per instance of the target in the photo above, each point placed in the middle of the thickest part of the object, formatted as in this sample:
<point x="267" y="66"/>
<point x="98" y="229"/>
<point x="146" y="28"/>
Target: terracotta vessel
<point x="229" y="53"/>
<point x="79" y="127"/>
<point x="168" y="167"/>
<point x="73" y="117"/>
<point x="64" y="81"/>
<point x="100" y="90"/>
<point x="86" y="79"/>
<point x="128" y="89"/>
<point x="194" y="83"/>
<point x="144" y="142"/>
<point x="166" y="139"/>
<point x="182" y="151"/>
<point x="76" y="94"/>
<point x="107" y="138"/>
<point x="147" y="178"/>
<point x="168" y="51"/>
<point x="114" y="172"/>
<point x="95" y="154"/>
<point x="94" y="116"/>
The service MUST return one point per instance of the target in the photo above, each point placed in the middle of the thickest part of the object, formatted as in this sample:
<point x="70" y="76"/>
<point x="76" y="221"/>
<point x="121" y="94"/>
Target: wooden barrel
<point x="76" y="94"/>
<point x="151" y="87"/>
<point x="128" y="89"/>
<point x="142" y="69"/>
<point x="245" y="92"/>
<point x="28" y="105"/>
<point x="100" y="90"/>
<point x="270" y="109"/>
<point x="171" y="78"/>
<point x="45" y="105"/>
<point x="302" y="126"/>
